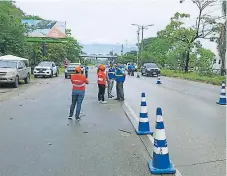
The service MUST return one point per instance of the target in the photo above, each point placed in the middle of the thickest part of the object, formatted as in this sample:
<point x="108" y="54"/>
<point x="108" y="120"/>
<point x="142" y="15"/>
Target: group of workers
<point x="105" y="78"/>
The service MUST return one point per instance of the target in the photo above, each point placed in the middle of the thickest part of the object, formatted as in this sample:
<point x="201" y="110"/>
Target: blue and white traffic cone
<point x="158" y="80"/>
<point x="161" y="163"/>
<point x="222" y="100"/>
<point x="144" y="126"/>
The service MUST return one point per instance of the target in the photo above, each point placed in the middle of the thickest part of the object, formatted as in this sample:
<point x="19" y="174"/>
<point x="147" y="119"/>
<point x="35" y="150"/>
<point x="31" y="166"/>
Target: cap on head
<point x="78" y="69"/>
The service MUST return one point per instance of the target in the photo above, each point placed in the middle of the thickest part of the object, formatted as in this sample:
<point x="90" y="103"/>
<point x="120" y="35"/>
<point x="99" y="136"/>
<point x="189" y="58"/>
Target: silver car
<point x="11" y="72"/>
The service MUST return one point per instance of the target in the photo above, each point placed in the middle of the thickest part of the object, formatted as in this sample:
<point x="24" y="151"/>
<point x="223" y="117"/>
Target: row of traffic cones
<point x="222" y="99"/>
<point x="161" y="163"/>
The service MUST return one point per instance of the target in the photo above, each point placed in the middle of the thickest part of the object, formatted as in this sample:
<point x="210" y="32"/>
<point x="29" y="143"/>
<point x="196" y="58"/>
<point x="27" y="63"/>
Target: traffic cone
<point x="161" y="163"/>
<point x="222" y="100"/>
<point x="158" y="80"/>
<point x="144" y="126"/>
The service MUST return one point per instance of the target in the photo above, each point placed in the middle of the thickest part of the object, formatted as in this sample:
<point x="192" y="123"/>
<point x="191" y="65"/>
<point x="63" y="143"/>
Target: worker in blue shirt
<point x="86" y="71"/>
<point x="111" y="77"/>
<point x="120" y="79"/>
<point x="133" y="70"/>
<point x="129" y="69"/>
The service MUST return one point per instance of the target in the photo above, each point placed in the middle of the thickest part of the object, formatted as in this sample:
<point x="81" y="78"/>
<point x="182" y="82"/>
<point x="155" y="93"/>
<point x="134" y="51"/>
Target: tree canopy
<point x="178" y="46"/>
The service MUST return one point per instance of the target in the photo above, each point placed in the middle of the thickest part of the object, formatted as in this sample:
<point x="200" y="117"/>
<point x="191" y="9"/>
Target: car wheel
<point x="27" y="79"/>
<point x="56" y="74"/>
<point x="16" y="83"/>
<point x="51" y="75"/>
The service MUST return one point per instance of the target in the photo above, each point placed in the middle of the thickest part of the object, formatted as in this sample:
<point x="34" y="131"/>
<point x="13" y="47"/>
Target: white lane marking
<point x="178" y="89"/>
<point x="149" y="136"/>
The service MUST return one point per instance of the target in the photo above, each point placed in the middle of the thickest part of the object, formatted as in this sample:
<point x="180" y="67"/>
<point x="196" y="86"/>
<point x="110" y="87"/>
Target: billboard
<point x="44" y="28"/>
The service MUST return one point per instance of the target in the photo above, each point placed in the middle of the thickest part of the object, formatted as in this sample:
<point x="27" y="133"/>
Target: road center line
<point x="151" y="138"/>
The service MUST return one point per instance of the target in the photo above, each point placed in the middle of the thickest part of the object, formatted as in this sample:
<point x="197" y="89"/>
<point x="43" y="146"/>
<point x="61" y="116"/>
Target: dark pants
<point x="86" y="74"/>
<point x="120" y="90"/>
<point x="101" y="93"/>
<point x="77" y="99"/>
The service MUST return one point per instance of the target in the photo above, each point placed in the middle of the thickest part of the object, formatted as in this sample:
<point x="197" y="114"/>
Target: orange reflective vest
<point x="78" y="81"/>
<point x="101" y="78"/>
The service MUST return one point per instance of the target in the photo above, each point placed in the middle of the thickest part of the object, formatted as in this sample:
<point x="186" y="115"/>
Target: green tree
<point x="204" y="28"/>
<point x="12" y="38"/>
<point x="221" y="41"/>
<point x="204" y="60"/>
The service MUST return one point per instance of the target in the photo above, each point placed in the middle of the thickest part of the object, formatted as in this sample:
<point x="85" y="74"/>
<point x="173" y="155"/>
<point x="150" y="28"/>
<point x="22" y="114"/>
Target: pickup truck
<point x="46" y="68"/>
<point x="11" y="72"/>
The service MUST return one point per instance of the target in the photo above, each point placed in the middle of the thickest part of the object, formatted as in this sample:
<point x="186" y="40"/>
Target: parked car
<point x="12" y="71"/>
<point x="46" y="69"/>
<point x="150" y="69"/>
<point x="70" y="69"/>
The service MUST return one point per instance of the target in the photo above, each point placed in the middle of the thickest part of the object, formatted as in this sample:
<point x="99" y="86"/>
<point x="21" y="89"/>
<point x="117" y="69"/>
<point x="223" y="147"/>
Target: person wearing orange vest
<point x="78" y="91"/>
<point x="102" y="79"/>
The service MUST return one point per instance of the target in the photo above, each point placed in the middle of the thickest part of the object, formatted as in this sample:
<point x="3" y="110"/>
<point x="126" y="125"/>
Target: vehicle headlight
<point x="10" y="73"/>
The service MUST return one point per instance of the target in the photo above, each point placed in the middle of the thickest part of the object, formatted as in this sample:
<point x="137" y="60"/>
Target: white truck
<point x="13" y="71"/>
<point x="46" y="69"/>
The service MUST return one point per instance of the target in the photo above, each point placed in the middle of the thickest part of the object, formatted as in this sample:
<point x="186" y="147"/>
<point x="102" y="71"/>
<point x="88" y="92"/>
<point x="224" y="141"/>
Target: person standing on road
<point x="102" y="79"/>
<point x="86" y="71"/>
<point x="111" y="77"/>
<point x="78" y="92"/>
<point x="120" y="79"/>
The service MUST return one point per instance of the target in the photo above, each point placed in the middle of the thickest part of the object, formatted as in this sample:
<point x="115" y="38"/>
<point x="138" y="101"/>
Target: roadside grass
<point x="61" y="70"/>
<point x="210" y="79"/>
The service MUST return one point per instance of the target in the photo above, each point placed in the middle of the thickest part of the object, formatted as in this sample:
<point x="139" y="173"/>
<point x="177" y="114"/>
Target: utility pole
<point x="122" y="50"/>
<point x="140" y="45"/>
<point x="142" y="38"/>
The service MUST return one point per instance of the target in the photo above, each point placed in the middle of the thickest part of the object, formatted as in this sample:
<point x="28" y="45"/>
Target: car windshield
<point x="72" y="65"/>
<point x="45" y="64"/>
<point x="8" y="64"/>
<point x="151" y="66"/>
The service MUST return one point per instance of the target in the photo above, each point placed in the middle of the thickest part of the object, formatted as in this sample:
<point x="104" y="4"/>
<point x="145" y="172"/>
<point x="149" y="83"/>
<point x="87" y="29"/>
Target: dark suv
<point x="150" y="69"/>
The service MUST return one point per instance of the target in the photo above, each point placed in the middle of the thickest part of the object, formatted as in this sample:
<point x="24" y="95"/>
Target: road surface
<point x="195" y="124"/>
<point x="37" y="139"/>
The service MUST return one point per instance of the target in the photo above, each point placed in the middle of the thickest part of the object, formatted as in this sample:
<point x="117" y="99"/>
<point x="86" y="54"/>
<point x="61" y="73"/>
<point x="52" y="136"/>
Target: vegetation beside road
<point x="212" y="79"/>
<point x="178" y="46"/>
<point x="14" y="42"/>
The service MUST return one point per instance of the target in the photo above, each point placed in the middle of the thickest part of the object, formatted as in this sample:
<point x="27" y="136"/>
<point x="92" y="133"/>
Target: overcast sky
<point x="109" y="21"/>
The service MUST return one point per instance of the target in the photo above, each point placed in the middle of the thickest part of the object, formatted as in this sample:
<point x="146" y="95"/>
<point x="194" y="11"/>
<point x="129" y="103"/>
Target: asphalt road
<point x="37" y="139"/>
<point x="195" y="124"/>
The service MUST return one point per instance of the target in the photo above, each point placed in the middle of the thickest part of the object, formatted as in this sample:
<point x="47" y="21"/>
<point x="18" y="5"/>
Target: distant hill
<point x="106" y="48"/>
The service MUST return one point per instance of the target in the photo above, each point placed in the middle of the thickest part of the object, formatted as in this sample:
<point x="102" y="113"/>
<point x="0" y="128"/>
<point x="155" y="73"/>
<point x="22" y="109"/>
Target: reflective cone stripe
<point x="144" y="127"/>
<point x="161" y="163"/>
<point x="222" y="99"/>
<point x="158" y="80"/>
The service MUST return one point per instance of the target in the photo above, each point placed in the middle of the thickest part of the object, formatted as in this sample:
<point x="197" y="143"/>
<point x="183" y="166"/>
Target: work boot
<point x="70" y="117"/>
<point x="122" y="99"/>
<point x="78" y="118"/>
